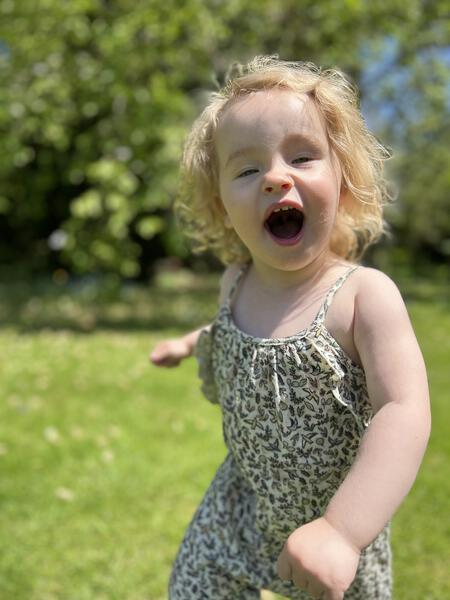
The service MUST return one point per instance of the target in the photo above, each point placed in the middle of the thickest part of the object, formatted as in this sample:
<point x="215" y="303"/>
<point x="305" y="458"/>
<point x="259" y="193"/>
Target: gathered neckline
<point x="313" y="329"/>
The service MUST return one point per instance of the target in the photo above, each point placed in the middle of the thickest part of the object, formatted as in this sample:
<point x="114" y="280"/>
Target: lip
<point x="284" y="241"/>
<point x="280" y="204"/>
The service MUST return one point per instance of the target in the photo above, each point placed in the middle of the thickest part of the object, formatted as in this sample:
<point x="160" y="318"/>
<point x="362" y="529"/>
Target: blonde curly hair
<point x="359" y="222"/>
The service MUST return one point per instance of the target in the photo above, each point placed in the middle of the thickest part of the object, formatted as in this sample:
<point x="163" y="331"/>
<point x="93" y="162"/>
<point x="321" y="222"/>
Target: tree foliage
<point x="96" y="96"/>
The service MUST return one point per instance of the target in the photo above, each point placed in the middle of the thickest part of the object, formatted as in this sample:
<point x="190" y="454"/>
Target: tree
<point x="96" y="96"/>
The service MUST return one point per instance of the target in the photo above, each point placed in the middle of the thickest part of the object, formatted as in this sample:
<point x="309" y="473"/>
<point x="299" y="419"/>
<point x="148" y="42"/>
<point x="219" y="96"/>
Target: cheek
<point x="219" y="209"/>
<point x="228" y="208"/>
<point x="326" y="218"/>
<point x="227" y="222"/>
<point x="226" y="205"/>
<point x="328" y="207"/>
<point x="224" y="197"/>
<point x="231" y="199"/>
<point x="226" y="193"/>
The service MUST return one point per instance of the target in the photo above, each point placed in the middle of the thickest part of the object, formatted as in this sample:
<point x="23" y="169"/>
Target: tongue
<point x="286" y="230"/>
<point x="286" y="224"/>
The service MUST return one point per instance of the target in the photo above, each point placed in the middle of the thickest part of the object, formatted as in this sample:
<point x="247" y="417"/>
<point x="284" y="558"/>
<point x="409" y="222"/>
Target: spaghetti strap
<point x="235" y="284"/>
<point x="320" y="318"/>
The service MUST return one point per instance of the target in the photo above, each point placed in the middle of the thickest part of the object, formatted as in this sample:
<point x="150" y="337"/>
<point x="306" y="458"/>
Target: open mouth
<point x="285" y="223"/>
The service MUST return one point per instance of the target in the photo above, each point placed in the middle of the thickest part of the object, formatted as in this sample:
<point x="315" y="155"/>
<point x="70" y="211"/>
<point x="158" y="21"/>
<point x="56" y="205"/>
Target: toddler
<point x="312" y="358"/>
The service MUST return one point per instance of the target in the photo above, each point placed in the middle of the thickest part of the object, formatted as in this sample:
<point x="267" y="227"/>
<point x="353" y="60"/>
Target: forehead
<point x="269" y="116"/>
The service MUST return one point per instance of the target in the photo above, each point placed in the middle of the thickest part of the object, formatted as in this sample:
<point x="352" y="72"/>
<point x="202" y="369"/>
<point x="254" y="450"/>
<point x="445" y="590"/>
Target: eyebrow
<point x="294" y="137"/>
<point x="239" y="152"/>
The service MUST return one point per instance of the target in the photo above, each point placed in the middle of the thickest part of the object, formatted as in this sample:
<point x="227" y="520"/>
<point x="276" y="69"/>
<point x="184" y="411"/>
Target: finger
<point x="163" y="359"/>
<point x="159" y="362"/>
<point x="333" y="595"/>
<point x="316" y="590"/>
<point x="167" y="362"/>
<point x="157" y="358"/>
<point x="160" y="352"/>
<point x="300" y="581"/>
<point x="284" y="568"/>
<point x="162" y="362"/>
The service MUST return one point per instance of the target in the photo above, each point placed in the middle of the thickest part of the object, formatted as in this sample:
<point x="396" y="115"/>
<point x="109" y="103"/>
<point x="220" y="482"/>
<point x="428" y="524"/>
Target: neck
<point x="283" y="279"/>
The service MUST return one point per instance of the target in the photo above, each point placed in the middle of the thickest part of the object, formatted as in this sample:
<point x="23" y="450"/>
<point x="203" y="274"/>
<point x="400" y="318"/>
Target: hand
<point x="319" y="559"/>
<point x="169" y="353"/>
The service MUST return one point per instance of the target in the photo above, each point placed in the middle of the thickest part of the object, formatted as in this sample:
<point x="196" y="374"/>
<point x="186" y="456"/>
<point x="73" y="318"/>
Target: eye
<point x="301" y="159"/>
<point x="247" y="172"/>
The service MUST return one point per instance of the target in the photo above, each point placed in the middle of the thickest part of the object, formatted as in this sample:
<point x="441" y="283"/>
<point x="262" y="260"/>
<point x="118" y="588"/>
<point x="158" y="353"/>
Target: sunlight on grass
<point x="104" y="459"/>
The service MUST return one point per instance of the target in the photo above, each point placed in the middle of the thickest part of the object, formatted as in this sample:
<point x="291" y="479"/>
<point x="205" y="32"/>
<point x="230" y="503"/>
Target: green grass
<point x="103" y="458"/>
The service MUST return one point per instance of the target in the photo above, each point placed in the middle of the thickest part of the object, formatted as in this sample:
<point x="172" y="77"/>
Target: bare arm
<point x="169" y="353"/>
<point x="393" y="446"/>
<point x="324" y="554"/>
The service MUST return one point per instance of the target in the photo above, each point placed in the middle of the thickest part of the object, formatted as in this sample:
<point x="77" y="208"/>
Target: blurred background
<point x="96" y="97"/>
<point x="103" y="458"/>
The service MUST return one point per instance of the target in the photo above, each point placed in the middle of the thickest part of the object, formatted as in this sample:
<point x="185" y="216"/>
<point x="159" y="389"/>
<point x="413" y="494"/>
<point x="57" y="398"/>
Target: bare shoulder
<point x="377" y="298"/>
<point x="366" y="294"/>
<point x="382" y="327"/>
<point x="227" y="280"/>
<point x="368" y="276"/>
<point x="386" y="342"/>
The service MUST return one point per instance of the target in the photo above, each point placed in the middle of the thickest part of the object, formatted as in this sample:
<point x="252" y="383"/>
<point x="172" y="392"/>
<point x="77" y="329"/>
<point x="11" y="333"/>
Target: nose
<point x="277" y="182"/>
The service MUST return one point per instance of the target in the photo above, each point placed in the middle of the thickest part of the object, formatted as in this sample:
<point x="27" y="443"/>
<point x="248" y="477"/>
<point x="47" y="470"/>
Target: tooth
<point x="282" y="208"/>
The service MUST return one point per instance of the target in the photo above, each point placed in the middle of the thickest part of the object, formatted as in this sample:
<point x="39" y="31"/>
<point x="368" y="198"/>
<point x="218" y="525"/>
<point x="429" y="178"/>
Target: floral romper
<point x="294" y="412"/>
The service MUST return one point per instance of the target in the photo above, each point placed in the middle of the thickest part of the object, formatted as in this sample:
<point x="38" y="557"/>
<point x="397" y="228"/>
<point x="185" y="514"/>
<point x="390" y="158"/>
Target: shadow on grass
<point x="178" y="303"/>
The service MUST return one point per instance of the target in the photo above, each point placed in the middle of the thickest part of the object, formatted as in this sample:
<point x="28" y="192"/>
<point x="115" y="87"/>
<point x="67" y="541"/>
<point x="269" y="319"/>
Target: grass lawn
<point x="103" y="458"/>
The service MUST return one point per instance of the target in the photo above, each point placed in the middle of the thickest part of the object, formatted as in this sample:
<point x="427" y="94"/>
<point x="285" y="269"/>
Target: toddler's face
<point x="278" y="182"/>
